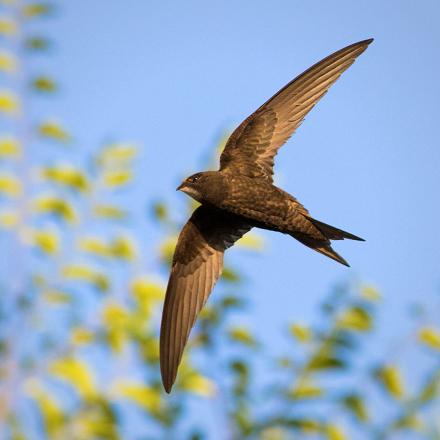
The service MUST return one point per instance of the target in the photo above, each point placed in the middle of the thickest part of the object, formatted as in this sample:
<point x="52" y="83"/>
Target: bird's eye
<point x="194" y="178"/>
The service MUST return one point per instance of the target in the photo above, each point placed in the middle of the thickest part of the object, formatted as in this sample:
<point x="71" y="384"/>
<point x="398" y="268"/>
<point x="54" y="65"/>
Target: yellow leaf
<point x="301" y="332"/>
<point x="56" y="206"/>
<point x="355" y="318"/>
<point x="54" y="130"/>
<point x="84" y="273"/>
<point x="274" y="433"/>
<point x="8" y="219"/>
<point x="51" y="411"/>
<point x="8" y="63"/>
<point x="149" y="349"/>
<point x="370" y="293"/>
<point x="9" y="185"/>
<point x="430" y="336"/>
<point x="54" y="296"/>
<point x="243" y="335"/>
<point x="194" y="382"/>
<point x="45" y="240"/>
<point x="81" y="336"/>
<point x="146" y="293"/>
<point x="77" y="373"/>
<point x="306" y="389"/>
<point x="94" y="246"/>
<point x="109" y="211"/>
<point x="7" y="26"/>
<point x="167" y="249"/>
<point x="123" y="248"/>
<point x="335" y="432"/>
<point x="66" y="175"/>
<point x="251" y="241"/>
<point x="391" y="379"/>
<point x="117" y="178"/>
<point x="9" y="147"/>
<point x="9" y="103"/>
<point x="116" y="320"/>
<point x="142" y="395"/>
<point x="309" y="426"/>
<point x="411" y="421"/>
<point x="117" y="154"/>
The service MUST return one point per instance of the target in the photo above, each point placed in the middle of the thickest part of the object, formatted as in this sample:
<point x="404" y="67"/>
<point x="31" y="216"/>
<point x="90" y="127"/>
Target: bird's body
<point x="240" y="196"/>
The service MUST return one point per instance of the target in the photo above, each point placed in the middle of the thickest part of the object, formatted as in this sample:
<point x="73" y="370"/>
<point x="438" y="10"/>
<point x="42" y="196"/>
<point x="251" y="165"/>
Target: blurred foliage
<point x="79" y="319"/>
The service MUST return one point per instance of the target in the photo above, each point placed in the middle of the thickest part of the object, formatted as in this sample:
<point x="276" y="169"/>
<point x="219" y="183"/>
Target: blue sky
<point x="173" y="75"/>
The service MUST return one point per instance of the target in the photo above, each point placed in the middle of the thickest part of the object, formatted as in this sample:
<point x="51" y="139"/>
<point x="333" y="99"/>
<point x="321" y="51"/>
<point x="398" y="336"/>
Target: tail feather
<point x="319" y="240"/>
<point x="321" y="246"/>
<point x="333" y="233"/>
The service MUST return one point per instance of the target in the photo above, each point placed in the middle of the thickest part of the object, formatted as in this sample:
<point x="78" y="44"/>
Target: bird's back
<point x="261" y="201"/>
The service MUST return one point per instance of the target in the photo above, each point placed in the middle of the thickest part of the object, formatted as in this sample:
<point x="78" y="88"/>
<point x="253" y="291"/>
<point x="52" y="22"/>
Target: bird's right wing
<point x="197" y="264"/>
<point x="251" y="148"/>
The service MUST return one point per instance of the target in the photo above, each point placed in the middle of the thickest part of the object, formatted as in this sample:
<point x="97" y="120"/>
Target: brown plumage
<point x="240" y="196"/>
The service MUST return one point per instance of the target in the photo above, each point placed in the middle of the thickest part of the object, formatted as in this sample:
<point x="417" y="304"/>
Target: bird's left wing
<point x="251" y="148"/>
<point x="197" y="264"/>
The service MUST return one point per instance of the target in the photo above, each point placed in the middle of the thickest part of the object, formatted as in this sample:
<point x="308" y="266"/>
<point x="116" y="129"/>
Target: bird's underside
<point x="240" y="196"/>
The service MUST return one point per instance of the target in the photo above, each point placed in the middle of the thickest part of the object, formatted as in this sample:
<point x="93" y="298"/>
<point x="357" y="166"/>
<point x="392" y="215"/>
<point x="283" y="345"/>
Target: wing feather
<point x="252" y="147"/>
<point x="197" y="265"/>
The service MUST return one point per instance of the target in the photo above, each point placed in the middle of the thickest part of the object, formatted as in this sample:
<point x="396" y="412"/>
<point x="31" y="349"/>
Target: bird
<point x="241" y="195"/>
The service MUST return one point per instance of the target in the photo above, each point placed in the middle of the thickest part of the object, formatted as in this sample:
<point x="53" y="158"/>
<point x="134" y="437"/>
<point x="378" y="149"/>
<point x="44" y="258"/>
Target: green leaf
<point x="33" y="10"/>
<point x="230" y="275"/>
<point x="302" y="333"/>
<point x="37" y="43"/>
<point x="356" y="405"/>
<point x="44" y="84"/>
<point x="160" y="211"/>
<point x="326" y="363"/>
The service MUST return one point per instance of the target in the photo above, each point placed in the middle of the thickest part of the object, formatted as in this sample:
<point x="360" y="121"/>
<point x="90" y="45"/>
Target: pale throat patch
<point x="191" y="192"/>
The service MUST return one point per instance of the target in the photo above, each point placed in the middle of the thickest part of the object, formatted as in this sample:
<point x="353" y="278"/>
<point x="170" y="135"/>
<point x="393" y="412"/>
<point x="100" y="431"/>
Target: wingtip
<point x="167" y="385"/>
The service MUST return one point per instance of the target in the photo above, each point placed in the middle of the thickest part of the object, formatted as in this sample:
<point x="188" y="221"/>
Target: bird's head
<point x="196" y="186"/>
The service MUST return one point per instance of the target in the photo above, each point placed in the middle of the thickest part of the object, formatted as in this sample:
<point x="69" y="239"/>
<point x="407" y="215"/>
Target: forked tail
<point x="322" y="243"/>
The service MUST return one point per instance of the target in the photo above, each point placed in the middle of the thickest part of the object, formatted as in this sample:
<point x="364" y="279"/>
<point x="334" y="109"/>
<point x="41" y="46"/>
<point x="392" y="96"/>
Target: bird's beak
<point x="180" y="186"/>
